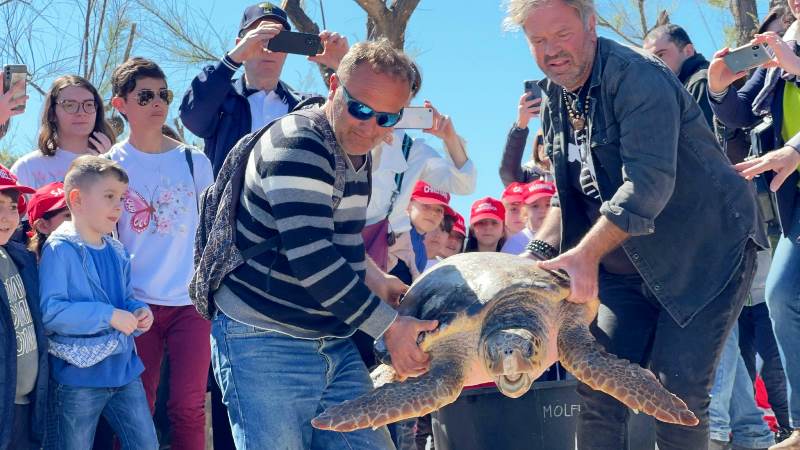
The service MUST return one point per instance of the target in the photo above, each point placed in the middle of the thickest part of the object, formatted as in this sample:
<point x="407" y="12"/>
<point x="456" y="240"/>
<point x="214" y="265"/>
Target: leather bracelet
<point x="542" y="249"/>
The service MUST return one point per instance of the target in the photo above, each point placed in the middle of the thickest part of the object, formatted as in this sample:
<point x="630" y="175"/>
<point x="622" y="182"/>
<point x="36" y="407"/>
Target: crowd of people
<point x="641" y="186"/>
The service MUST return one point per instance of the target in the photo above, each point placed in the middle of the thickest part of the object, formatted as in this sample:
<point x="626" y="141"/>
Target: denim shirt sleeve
<point x="646" y="106"/>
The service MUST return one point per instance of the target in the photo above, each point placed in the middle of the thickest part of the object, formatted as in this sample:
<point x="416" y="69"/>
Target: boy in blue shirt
<point x="91" y="317"/>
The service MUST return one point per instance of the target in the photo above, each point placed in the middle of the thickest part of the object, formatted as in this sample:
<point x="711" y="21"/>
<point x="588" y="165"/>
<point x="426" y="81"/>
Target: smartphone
<point x="533" y="90"/>
<point x="746" y="57"/>
<point x="296" y="43"/>
<point x="416" y="117"/>
<point x="13" y="73"/>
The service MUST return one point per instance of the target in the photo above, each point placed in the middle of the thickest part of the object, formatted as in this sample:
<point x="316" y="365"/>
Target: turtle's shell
<point x="466" y="283"/>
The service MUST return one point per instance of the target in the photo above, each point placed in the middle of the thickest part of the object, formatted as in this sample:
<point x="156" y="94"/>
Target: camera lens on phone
<point x="756" y="47"/>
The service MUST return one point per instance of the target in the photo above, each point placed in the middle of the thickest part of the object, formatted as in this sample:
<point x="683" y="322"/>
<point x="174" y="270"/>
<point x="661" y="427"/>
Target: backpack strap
<point x="398" y="178"/>
<point x="187" y="153"/>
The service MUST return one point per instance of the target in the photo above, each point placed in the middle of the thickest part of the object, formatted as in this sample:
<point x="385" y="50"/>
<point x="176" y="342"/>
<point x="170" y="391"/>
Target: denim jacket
<point x="76" y="309"/>
<point x="26" y="266"/>
<point x="662" y="179"/>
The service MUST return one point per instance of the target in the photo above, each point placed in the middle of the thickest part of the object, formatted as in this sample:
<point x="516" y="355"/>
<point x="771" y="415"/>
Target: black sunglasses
<point x="145" y="96"/>
<point x="363" y="112"/>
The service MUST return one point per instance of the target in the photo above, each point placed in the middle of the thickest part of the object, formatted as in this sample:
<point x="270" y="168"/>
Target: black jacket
<point x="28" y="271"/>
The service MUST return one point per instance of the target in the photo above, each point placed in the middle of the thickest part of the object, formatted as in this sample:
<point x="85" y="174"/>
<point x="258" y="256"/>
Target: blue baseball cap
<point x="263" y="10"/>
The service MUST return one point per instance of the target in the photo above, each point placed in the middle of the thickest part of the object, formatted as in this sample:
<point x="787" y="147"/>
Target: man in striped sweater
<point x="280" y="346"/>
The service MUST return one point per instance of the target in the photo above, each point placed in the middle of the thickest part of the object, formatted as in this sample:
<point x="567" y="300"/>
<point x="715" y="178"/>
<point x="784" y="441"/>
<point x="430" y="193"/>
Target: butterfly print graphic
<point x="142" y="211"/>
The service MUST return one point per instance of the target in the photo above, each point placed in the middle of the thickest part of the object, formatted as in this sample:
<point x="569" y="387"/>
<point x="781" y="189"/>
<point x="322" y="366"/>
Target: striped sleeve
<point x="296" y="173"/>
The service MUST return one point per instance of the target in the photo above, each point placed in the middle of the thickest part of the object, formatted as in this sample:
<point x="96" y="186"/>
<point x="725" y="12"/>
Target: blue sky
<point x="472" y="69"/>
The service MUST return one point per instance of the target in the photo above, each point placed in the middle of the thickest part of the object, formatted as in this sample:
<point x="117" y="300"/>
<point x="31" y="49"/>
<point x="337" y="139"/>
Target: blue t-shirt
<point x="109" y="270"/>
<point x="418" y="244"/>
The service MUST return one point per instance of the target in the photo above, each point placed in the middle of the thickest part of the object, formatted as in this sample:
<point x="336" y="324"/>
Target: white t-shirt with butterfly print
<point x="159" y="220"/>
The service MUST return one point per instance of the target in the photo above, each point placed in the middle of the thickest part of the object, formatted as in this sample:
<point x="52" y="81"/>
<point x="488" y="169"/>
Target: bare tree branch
<point x="606" y="24"/>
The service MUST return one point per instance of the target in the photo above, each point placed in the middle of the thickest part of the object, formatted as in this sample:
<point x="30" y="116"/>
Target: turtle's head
<point x="513" y="357"/>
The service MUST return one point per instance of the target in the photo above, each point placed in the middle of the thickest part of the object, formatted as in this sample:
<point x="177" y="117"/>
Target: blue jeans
<point x="733" y="414"/>
<point x="783" y="300"/>
<point x="274" y="384"/>
<point x="74" y="413"/>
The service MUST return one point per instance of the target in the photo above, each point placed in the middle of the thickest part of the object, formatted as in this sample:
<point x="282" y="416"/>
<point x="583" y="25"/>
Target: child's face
<point x="515" y="219"/>
<point x="453" y="245"/>
<point x="425" y="217"/>
<point x="9" y="217"/>
<point x="153" y="113"/>
<point x="488" y="232"/>
<point x="47" y="226"/>
<point x="99" y="206"/>
<point x="434" y="242"/>
<point x="537" y="212"/>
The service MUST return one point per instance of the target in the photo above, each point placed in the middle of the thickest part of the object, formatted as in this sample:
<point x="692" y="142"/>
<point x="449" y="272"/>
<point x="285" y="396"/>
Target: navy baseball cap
<point x="263" y="10"/>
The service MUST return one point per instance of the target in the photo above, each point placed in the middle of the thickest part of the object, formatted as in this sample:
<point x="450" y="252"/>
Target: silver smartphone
<point x="416" y="117"/>
<point x="747" y="57"/>
<point x="12" y="74"/>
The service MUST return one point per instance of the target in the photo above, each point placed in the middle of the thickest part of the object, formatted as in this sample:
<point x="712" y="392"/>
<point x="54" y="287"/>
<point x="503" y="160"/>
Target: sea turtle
<point x="501" y="319"/>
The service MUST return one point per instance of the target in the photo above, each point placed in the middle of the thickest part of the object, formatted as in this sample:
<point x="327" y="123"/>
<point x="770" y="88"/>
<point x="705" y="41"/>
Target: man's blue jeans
<point x="783" y="300"/>
<point x="733" y="414"/>
<point x="274" y="384"/>
<point x="75" y="411"/>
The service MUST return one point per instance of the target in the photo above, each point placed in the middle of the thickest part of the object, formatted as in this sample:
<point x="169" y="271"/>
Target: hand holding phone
<point x="296" y="43"/>
<point x="529" y="104"/>
<point x="416" y="118"/>
<point x="253" y="43"/>
<point x="747" y="57"/>
<point x="13" y="98"/>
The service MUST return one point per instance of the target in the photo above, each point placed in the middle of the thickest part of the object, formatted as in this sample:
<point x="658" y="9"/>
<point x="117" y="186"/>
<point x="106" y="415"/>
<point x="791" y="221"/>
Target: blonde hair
<point x="517" y="11"/>
<point x="382" y="59"/>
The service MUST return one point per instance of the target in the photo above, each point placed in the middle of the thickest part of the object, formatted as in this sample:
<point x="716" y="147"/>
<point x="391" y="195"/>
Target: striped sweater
<point x="312" y="286"/>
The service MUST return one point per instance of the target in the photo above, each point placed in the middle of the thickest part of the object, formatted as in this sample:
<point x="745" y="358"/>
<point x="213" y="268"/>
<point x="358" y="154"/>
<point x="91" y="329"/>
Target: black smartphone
<point x="12" y="74"/>
<point x="296" y="43"/>
<point x="533" y="89"/>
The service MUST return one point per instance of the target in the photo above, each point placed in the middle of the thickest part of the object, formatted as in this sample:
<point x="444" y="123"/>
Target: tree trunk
<point x="745" y="17"/>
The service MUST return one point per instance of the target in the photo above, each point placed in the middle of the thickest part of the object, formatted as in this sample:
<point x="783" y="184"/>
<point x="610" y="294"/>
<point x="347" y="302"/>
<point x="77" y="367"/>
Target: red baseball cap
<point x="47" y="198"/>
<point x="9" y="181"/>
<point x="425" y="193"/>
<point x="514" y="193"/>
<point x="459" y="225"/>
<point x="539" y="189"/>
<point x="487" y="208"/>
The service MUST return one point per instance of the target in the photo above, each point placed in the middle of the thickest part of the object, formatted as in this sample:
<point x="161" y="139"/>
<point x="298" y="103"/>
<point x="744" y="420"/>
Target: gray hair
<point x="517" y="11"/>
<point x="383" y="59"/>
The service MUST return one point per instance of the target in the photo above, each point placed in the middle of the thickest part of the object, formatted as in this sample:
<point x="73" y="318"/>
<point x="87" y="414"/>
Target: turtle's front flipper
<point x="397" y="401"/>
<point x="631" y="384"/>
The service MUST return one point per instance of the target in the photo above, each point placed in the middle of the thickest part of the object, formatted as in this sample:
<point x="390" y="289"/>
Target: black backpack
<point x="216" y="253"/>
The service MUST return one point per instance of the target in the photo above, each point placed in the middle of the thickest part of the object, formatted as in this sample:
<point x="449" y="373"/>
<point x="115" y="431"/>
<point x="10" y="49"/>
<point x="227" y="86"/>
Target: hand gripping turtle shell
<point x="501" y="319"/>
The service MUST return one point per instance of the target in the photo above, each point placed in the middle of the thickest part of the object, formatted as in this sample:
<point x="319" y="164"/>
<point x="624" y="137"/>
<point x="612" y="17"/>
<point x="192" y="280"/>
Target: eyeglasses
<point x="145" y="96"/>
<point x="363" y="112"/>
<point x="73" y="106"/>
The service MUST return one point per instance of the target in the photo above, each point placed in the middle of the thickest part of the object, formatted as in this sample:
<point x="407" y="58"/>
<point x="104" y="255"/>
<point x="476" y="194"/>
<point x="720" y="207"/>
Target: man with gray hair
<point x="649" y="216"/>
<point x="280" y="347"/>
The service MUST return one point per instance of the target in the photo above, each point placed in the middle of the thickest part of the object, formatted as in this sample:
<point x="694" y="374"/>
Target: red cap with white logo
<point x="9" y="181"/>
<point x="424" y="193"/>
<point x="514" y="193"/>
<point x="459" y="226"/>
<point x="539" y="189"/>
<point x="47" y="198"/>
<point x="487" y="208"/>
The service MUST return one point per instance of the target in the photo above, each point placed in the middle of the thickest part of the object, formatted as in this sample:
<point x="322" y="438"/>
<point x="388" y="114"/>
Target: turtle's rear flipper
<point x="631" y="384"/>
<point x="397" y="401"/>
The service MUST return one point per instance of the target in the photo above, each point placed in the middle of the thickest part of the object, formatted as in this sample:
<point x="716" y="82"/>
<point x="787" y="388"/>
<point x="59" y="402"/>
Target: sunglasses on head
<point x="73" y="106"/>
<point x="363" y="112"/>
<point x="145" y="96"/>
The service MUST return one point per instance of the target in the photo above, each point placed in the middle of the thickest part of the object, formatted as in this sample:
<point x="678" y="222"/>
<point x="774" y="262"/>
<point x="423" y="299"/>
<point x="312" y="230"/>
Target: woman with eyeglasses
<point x="73" y="124"/>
